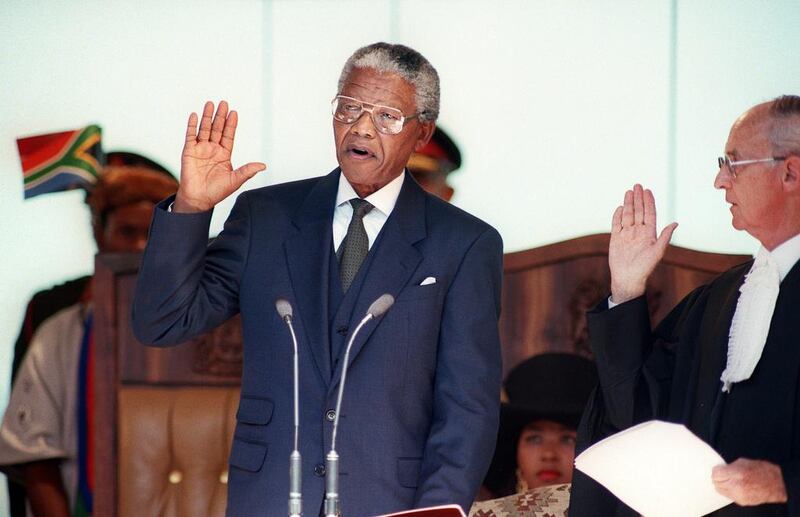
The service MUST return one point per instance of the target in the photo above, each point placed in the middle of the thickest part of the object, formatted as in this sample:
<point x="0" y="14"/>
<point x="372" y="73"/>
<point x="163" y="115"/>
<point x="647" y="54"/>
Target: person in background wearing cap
<point x="536" y="440"/>
<point x="431" y="165"/>
<point x="39" y="446"/>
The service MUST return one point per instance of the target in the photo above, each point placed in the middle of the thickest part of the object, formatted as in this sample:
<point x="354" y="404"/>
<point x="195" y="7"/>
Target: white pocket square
<point x="428" y="281"/>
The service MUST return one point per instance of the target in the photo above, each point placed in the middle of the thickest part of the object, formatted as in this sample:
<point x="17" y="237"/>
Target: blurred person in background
<point x="432" y="164"/>
<point x="545" y="395"/>
<point x="43" y="437"/>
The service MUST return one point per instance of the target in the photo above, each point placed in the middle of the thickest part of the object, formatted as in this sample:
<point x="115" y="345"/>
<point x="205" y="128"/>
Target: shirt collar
<point x="383" y="199"/>
<point x="785" y="255"/>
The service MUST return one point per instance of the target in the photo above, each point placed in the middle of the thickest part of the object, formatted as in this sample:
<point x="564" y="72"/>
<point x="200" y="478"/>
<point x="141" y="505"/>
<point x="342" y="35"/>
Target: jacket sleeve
<point x="635" y="364"/>
<point x="466" y="399"/>
<point x="186" y="286"/>
<point x="635" y="368"/>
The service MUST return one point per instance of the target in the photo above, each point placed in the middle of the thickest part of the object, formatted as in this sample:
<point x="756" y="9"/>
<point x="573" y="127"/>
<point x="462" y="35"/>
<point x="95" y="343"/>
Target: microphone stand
<point x="295" y="467"/>
<point x="295" y="464"/>
<point x="332" y="509"/>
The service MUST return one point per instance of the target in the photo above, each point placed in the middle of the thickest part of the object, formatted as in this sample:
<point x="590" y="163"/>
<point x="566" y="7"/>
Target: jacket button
<point x="319" y="469"/>
<point x="330" y="415"/>
<point x="342" y="330"/>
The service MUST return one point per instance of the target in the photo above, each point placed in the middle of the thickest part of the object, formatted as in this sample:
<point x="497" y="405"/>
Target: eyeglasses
<point x="724" y="161"/>
<point x="387" y="120"/>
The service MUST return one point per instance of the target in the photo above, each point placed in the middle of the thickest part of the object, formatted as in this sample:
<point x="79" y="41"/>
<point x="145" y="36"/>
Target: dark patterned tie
<point x="355" y="244"/>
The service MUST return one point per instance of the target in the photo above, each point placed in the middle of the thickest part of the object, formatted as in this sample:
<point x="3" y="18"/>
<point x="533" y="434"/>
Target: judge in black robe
<point x="674" y="372"/>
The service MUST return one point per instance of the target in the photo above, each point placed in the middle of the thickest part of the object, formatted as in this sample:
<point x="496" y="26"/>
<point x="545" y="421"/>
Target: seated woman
<point x="536" y="440"/>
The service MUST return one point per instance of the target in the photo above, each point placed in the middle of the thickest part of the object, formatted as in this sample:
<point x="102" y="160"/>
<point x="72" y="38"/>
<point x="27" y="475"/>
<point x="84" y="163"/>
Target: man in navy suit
<point x="420" y="410"/>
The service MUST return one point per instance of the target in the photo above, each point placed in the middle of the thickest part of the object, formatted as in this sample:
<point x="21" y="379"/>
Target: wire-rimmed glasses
<point x="387" y="120"/>
<point x="724" y="161"/>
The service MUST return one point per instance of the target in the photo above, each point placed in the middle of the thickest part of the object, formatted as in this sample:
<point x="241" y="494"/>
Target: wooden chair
<point x="164" y="418"/>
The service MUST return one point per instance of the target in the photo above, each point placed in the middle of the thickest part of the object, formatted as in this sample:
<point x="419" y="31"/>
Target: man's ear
<point x="426" y="132"/>
<point x="791" y="173"/>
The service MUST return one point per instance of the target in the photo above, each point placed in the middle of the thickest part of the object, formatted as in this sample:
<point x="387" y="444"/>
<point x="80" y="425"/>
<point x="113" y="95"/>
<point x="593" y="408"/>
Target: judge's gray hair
<point x="784" y="133"/>
<point x="405" y="62"/>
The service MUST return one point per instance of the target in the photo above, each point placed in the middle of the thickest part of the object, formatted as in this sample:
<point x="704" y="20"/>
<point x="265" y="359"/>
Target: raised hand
<point x="634" y="250"/>
<point x="207" y="176"/>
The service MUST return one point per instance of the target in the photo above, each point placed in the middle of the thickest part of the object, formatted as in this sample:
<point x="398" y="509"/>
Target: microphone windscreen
<point x="283" y="307"/>
<point x="381" y="305"/>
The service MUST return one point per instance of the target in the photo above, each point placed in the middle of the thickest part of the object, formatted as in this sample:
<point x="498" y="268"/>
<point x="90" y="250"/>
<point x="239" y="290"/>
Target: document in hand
<point x="448" y="510"/>
<point x="657" y="468"/>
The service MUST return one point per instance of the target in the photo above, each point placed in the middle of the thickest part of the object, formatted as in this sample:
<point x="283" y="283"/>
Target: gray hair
<point x="405" y="62"/>
<point x="784" y="132"/>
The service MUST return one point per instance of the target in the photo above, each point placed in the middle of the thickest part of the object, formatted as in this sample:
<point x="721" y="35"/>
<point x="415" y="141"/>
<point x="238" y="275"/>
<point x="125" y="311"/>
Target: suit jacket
<point x="673" y="374"/>
<point x="420" y="410"/>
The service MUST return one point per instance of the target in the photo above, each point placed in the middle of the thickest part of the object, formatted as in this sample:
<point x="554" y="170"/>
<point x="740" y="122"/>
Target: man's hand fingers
<point x="720" y="473"/>
<point x="229" y="131"/>
<point x="616" y="220"/>
<point x="219" y="122"/>
<point x="649" y="208"/>
<point x="249" y="170"/>
<point x="638" y="205"/>
<point x="205" y="122"/>
<point x="627" y="209"/>
<point x="666" y="235"/>
<point x="750" y="482"/>
<point x="191" y="129"/>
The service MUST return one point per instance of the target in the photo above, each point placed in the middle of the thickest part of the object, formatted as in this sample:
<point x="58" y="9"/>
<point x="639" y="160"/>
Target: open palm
<point x="634" y="250"/>
<point x="207" y="176"/>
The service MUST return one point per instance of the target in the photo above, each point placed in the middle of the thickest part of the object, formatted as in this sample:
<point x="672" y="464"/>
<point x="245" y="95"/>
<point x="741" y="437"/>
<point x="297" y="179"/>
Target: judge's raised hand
<point x="634" y="250"/>
<point x="207" y="176"/>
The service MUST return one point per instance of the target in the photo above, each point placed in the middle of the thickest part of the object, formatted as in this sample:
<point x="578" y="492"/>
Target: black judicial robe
<point x="673" y="374"/>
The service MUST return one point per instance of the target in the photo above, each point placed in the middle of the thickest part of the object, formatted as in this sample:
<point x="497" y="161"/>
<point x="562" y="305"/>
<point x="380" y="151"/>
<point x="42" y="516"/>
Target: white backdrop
<point x="557" y="106"/>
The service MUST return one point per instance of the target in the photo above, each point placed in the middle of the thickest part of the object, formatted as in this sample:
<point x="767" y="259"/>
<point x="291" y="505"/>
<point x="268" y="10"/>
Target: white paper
<point x="657" y="468"/>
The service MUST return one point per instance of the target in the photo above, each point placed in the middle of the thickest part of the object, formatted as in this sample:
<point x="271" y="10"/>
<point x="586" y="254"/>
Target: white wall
<point x="135" y="68"/>
<point x="558" y="106"/>
<point x="731" y="55"/>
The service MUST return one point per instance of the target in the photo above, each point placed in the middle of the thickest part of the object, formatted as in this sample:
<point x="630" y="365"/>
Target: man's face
<point x="545" y="453"/>
<point x="126" y="228"/>
<point x="370" y="159"/>
<point x="755" y="194"/>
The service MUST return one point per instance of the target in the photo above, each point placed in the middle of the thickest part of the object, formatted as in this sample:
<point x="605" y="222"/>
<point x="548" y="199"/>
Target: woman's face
<point x="545" y="453"/>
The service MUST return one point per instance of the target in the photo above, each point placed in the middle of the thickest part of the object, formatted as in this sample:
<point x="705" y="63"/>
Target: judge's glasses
<point x="724" y="161"/>
<point x="387" y="120"/>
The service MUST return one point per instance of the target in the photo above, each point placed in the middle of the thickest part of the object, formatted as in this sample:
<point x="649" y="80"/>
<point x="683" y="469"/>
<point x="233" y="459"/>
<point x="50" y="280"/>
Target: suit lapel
<point x="308" y="254"/>
<point x="394" y="261"/>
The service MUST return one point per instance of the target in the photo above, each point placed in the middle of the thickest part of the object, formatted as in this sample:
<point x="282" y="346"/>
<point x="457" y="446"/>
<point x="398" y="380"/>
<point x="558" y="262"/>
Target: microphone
<point x="381" y="305"/>
<point x="376" y="310"/>
<point x="284" y="309"/>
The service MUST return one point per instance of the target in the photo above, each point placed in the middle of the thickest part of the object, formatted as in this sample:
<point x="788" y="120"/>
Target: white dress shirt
<point x="786" y="255"/>
<point x="383" y="200"/>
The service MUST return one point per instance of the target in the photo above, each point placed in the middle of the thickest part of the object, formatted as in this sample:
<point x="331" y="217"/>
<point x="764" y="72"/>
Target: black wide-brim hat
<point x="552" y="386"/>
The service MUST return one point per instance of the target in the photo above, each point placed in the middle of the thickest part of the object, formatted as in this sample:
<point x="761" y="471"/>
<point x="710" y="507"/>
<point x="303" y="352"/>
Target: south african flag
<point x="60" y="161"/>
